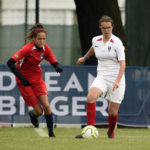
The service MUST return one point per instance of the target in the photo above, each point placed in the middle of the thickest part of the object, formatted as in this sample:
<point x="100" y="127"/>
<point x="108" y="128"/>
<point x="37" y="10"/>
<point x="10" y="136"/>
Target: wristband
<point x="85" y="57"/>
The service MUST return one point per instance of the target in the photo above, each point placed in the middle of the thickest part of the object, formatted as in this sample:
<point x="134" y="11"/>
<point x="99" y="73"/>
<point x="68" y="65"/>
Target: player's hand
<point x="80" y="61"/>
<point x="115" y="85"/>
<point x="57" y="67"/>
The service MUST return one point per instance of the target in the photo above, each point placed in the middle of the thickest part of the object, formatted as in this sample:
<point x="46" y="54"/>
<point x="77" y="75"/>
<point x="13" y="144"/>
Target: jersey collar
<point x="101" y="39"/>
<point x="34" y="47"/>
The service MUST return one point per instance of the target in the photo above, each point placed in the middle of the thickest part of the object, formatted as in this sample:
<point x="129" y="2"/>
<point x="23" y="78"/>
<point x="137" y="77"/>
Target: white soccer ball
<point x="90" y="132"/>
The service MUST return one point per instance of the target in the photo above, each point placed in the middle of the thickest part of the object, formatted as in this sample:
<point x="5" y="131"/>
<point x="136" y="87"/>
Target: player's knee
<point x="47" y="109"/>
<point x="112" y="112"/>
<point x="39" y="112"/>
<point x="91" y="98"/>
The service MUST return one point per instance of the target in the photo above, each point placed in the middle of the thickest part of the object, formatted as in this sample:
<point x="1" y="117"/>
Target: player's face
<point x="106" y="28"/>
<point x="40" y="39"/>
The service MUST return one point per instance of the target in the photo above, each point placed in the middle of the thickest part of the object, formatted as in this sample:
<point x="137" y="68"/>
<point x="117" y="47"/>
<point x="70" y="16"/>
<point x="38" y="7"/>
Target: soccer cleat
<point x="79" y="136"/>
<point x="51" y="134"/>
<point x="110" y="135"/>
<point x="34" y="120"/>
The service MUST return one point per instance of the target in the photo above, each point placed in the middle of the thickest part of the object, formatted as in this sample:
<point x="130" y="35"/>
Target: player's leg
<point x="47" y="114"/>
<point x="112" y="118"/>
<point x="31" y="100"/>
<point x="97" y="88"/>
<point x="34" y="114"/>
<point x="116" y="98"/>
<point x="93" y="95"/>
<point x="42" y="94"/>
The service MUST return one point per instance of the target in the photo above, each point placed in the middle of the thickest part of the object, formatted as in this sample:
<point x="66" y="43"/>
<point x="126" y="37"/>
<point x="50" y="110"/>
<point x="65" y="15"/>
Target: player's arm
<point x="52" y="60"/>
<point x="120" y="74"/>
<point x="86" y="56"/>
<point x="121" y="58"/>
<point x="24" y="51"/>
<point x="11" y="64"/>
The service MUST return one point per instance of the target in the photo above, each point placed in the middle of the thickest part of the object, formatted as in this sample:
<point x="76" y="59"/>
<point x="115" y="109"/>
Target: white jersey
<point x="108" y="54"/>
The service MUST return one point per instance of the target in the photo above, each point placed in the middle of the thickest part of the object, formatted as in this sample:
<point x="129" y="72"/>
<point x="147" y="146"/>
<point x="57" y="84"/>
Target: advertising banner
<point x="67" y="96"/>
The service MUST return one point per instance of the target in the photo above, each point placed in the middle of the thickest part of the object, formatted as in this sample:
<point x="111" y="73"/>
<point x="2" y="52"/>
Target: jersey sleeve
<point x="24" y="51"/>
<point x="93" y="41"/>
<point x="120" y="50"/>
<point x="49" y="56"/>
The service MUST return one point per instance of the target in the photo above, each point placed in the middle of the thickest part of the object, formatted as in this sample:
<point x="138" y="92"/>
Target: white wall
<point x="51" y="12"/>
<point x="44" y="4"/>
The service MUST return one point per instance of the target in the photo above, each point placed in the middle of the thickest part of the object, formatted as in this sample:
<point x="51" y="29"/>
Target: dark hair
<point x="106" y="19"/>
<point x="32" y="32"/>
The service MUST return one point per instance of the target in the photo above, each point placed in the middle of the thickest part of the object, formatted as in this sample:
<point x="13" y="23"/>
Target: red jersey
<point x="31" y="59"/>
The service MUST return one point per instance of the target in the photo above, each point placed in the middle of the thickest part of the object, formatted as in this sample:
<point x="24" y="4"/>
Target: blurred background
<point x="65" y="22"/>
<point x="57" y="16"/>
<point x="71" y="25"/>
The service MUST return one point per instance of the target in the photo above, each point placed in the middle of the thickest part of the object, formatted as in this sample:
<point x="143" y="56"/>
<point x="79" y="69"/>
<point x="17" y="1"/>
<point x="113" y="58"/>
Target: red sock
<point x="91" y="113"/>
<point x="112" y="122"/>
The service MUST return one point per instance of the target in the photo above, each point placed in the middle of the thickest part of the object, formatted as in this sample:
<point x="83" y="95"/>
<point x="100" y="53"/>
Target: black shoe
<point x="110" y="135"/>
<point x="79" y="136"/>
<point x="34" y="120"/>
<point x="51" y="134"/>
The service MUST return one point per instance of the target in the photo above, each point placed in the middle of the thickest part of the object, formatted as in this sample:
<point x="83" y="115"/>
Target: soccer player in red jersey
<point x="29" y="74"/>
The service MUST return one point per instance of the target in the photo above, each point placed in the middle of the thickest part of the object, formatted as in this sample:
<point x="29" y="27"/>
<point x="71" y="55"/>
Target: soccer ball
<point x="90" y="132"/>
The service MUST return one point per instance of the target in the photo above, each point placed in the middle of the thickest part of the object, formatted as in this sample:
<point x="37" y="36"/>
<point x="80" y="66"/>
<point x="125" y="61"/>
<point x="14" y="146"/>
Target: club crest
<point x="109" y="48"/>
<point x="42" y="55"/>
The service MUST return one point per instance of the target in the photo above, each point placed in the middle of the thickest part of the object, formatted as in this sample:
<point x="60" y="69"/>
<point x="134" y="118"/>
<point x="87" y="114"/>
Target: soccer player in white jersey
<point x="110" y="80"/>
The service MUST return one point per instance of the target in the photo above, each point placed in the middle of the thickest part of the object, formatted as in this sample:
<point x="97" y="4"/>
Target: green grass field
<point x="31" y="139"/>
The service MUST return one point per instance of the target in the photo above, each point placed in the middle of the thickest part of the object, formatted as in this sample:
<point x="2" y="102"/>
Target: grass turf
<point x="28" y="139"/>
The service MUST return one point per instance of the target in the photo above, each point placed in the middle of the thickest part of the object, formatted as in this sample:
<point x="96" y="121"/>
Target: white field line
<point x="41" y="132"/>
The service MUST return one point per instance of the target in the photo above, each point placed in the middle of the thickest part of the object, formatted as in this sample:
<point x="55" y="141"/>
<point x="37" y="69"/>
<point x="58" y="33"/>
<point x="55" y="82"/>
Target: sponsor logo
<point x="97" y="46"/>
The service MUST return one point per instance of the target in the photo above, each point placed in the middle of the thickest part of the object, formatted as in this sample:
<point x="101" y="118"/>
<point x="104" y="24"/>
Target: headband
<point x="39" y="30"/>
